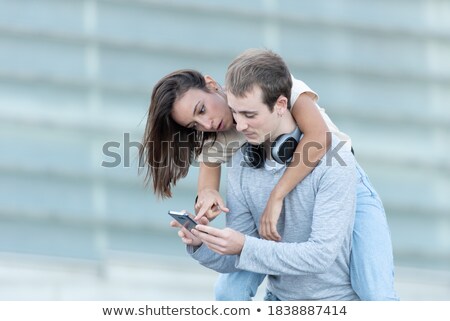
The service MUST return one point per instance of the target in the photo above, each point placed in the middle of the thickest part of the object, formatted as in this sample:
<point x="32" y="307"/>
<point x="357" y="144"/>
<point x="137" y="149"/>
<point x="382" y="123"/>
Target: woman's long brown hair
<point x="168" y="149"/>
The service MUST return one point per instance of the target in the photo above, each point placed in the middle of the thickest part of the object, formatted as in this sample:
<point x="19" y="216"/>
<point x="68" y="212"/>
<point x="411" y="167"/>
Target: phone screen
<point x="184" y="219"/>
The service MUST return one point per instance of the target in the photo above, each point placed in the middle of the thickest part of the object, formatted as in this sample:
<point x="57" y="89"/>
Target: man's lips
<point x="249" y="134"/>
<point x="220" y="126"/>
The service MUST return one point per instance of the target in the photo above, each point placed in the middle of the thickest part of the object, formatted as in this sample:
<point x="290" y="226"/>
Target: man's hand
<point x="224" y="242"/>
<point x="209" y="204"/>
<point x="186" y="236"/>
<point x="269" y="219"/>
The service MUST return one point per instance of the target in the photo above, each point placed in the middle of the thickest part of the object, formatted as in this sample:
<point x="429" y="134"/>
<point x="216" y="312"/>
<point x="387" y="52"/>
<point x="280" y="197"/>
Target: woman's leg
<point x="238" y="286"/>
<point x="371" y="262"/>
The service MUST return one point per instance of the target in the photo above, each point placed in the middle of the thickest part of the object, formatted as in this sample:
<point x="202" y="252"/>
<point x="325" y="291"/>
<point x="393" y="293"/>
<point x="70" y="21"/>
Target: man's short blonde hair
<point x="263" y="68"/>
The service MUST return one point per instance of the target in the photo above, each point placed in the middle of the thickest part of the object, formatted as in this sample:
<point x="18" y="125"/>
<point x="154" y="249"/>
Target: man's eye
<point x="249" y="115"/>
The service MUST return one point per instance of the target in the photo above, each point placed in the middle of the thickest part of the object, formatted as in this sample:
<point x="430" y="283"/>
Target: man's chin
<point x="253" y="140"/>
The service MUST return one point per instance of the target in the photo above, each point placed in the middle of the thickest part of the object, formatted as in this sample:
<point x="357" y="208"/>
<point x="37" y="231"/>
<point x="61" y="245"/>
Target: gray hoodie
<point x="316" y="223"/>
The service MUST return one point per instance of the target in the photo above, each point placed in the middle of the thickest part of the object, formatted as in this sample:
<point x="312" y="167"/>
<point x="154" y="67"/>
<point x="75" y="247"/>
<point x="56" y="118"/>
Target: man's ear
<point x="281" y="105"/>
<point x="211" y="83"/>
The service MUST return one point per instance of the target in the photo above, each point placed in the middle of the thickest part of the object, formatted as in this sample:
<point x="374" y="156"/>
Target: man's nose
<point x="241" y="124"/>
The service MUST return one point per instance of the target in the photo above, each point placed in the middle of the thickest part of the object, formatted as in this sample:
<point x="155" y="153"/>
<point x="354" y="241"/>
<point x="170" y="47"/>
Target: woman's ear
<point x="211" y="83"/>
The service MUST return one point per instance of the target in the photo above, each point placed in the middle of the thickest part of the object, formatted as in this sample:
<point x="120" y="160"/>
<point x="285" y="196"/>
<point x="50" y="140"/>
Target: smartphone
<point x="184" y="219"/>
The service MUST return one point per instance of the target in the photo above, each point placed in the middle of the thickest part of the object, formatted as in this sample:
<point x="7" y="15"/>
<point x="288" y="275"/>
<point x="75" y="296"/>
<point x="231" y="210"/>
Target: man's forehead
<point x="250" y="100"/>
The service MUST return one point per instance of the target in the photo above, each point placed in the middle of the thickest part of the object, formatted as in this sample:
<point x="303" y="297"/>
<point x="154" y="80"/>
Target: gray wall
<point x="75" y="75"/>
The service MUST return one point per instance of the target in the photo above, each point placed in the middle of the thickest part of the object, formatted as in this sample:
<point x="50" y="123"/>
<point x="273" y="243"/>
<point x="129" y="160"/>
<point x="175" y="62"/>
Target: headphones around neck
<point x="281" y="150"/>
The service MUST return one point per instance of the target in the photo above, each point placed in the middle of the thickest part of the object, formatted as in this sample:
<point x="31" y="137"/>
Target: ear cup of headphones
<point x="283" y="148"/>
<point x="254" y="155"/>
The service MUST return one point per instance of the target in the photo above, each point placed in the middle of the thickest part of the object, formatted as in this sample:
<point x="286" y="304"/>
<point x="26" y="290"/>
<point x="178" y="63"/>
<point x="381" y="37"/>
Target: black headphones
<point x="282" y="150"/>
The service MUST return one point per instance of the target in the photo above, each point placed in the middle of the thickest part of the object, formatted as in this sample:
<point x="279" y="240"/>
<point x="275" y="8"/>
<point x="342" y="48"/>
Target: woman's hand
<point x="269" y="219"/>
<point x="209" y="204"/>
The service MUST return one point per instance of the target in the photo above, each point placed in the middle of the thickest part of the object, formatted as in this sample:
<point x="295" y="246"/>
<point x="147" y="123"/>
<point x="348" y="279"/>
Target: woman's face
<point x="203" y="111"/>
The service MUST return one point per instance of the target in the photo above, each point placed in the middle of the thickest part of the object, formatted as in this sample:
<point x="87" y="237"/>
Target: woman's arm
<point x="309" y="151"/>
<point x="209" y="201"/>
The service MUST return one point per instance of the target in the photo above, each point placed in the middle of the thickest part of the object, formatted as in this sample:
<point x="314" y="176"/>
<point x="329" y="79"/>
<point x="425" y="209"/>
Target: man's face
<point x="253" y="118"/>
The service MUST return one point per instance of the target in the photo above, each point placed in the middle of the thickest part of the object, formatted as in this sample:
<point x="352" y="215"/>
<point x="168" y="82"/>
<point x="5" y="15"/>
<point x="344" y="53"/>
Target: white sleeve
<point x="298" y="88"/>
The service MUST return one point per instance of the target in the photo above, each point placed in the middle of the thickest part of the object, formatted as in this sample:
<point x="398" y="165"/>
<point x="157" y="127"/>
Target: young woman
<point x="189" y="119"/>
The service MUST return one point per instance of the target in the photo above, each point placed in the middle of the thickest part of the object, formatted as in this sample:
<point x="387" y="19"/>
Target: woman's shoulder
<point x="299" y="87"/>
<point x="222" y="148"/>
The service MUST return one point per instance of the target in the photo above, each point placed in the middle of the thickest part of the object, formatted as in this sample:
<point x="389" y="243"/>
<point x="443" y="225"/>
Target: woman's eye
<point x="202" y="110"/>
<point x="249" y="115"/>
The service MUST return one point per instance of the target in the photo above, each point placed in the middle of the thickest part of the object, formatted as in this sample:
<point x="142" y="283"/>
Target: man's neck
<point x="287" y="125"/>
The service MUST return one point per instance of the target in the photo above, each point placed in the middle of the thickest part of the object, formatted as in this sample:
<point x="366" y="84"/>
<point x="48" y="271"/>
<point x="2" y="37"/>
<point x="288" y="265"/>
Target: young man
<point x="312" y="261"/>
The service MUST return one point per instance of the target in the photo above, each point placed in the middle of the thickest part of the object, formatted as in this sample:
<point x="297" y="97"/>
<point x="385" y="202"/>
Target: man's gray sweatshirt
<point x="312" y="260"/>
